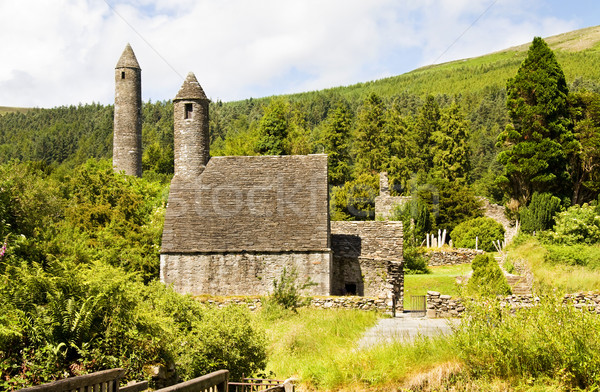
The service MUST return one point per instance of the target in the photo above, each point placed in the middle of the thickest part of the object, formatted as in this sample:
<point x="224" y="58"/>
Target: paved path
<point x="404" y="328"/>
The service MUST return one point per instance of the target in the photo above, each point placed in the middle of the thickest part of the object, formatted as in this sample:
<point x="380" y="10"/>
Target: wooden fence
<point x="108" y="381"/>
<point x="212" y="382"/>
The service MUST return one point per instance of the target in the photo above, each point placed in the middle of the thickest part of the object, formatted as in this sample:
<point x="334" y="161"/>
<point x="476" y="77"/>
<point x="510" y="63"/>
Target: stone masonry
<point x="127" y="140"/>
<point x="385" y="203"/>
<point x="450" y="256"/>
<point x="190" y="119"/>
<point x="367" y="259"/>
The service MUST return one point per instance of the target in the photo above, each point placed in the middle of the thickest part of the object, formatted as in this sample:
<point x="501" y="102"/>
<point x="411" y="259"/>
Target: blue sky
<point x="63" y="52"/>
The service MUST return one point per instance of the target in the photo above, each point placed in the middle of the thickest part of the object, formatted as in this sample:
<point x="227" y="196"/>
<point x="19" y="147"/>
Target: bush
<point x="287" y="289"/>
<point x="577" y="225"/>
<point x="539" y="215"/>
<point x="486" y="229"/>
<point x="414" y="262"/>
<point x="582" y="255"/>
<point x="487" y="278"/>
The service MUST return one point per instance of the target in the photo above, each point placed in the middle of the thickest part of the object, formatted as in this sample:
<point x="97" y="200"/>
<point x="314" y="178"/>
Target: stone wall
<point x="385" y="203"/>
<point x="450" y="256"/>
<point x="345" y="302"/>
<point x="244" y="273"/>
<point x="439" y="305"/>
<point x="496" y="212"/>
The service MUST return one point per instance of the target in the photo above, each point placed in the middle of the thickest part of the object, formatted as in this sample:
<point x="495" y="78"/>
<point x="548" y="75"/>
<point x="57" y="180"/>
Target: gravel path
<point x="404" y="328"/>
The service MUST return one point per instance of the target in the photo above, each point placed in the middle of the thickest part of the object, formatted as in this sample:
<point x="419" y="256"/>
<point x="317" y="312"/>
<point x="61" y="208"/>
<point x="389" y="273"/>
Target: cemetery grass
<point x="441" y="279"/>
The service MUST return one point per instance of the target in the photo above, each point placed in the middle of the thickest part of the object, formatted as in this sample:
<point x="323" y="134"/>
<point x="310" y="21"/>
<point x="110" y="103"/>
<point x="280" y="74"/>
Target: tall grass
<point x="548" y="273"/>
<point x="547" y="341"/>
<point x="321" y="348"/>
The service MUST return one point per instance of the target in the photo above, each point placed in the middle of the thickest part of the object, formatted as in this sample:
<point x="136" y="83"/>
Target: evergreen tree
<point x="427" y="125"/>
<point x="369" y="125"/>
<point x="273" y="129"/>
<point x="336" y="143"/>
<point x="450" y="152"/>
<point x="584" y="162"/>
<point x="536" y="140"/>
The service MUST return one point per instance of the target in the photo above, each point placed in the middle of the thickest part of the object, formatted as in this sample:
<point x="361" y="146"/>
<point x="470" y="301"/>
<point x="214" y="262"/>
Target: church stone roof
<point x="128" y="59"/>
<point x="253" y="204"/>
<point x="190" y="89"/>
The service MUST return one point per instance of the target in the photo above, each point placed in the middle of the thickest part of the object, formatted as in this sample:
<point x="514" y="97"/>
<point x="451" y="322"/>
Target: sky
<point x="63" y="52"/>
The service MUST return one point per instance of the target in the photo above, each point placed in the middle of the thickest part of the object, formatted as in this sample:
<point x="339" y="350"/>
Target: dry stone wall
<point x="439" y="305"/>
<point x="450" y="256"/>
<point x="346" y="302"/>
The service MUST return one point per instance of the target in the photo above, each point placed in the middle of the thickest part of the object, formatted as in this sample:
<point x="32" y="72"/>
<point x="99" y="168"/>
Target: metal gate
<point x="418" y="305"/>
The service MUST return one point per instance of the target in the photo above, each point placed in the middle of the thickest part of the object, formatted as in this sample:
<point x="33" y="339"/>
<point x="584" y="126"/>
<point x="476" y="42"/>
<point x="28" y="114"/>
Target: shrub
<point x="414" y="262"/>
<point x="579" y="254"/>
<point x="577" y="225"/>
<point x="487" y="278"/>
<point x="539" y="215"/>
<point x="287" y="289"/>
<point x="549" y="340"/>
<point x="486" y="229"/>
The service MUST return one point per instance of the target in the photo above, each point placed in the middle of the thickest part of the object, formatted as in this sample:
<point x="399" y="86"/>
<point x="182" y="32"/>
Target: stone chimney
<point x="127" y="137"/>
<point x="384" y="184"/>
<point x="190" y="121"/>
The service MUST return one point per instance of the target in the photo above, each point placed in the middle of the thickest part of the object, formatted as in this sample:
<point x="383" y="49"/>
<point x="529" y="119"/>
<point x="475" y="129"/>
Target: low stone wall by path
<point x="334" y="302"/>
<point x="450" y="256"/>
<point x="439" y="305"/>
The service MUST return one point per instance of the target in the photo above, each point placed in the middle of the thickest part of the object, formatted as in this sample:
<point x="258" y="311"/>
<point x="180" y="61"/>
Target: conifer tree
<point x="427" y="124"/>
<point x="336" y="143"/>
<point x="450" y="151"/>
<point x="273" y="129"/>
<point x="370" y="122"/>
<point x="536" y="139"/>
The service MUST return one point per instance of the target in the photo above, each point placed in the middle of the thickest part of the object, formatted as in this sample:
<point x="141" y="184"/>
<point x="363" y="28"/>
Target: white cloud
<point x="63" y="52"/>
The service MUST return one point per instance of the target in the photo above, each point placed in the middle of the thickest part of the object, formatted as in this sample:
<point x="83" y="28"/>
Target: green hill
<point x="577" y="51"/>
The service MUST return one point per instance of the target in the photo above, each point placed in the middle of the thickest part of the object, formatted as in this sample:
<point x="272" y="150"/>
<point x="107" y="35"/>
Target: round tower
<point x="190" y="121"/>
<point x="127" y="137"/>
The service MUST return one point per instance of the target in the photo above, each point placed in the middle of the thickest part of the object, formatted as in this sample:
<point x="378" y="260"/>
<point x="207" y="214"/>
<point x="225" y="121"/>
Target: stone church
<point x="233" y="223"/>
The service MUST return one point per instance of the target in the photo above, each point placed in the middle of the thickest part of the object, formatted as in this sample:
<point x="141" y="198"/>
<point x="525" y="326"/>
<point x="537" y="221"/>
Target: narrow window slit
<point x="122" y="74"/>
<point x="188" y="110"/>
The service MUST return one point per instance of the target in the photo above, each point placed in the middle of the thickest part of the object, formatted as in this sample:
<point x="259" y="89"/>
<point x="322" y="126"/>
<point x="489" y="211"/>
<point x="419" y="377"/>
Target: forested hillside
<point x="365" y="128"/>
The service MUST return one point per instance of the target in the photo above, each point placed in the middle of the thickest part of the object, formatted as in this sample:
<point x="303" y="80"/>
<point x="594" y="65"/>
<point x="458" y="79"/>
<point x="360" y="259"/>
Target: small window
<point x="123" y="75"/>
<point x="189" y="108"/>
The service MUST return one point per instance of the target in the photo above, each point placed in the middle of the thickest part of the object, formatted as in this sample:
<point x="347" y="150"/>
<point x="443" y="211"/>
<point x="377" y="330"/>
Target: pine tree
<point x="336" y="143"/>
<point x="450" y="151"/>
<point x="370" y="122"/>
<point x="427" y="124"/>
<point x="536" y="140"/>
<point x="273" y="129"/>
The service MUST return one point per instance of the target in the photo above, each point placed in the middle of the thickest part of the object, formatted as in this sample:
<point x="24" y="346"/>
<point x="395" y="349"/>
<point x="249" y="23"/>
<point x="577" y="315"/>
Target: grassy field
<point x="564" y="278"/>
<point x="442" y="279"/>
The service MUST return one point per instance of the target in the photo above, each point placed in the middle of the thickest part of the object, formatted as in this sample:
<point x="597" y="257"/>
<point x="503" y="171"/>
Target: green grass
<point x="441" y="279"/>
<point x="564" y="278"/>
<point x="320" y="347"/>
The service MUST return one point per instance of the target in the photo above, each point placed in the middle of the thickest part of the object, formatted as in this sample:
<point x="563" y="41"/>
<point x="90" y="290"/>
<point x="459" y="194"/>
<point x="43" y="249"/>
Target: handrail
<point x="111" y="377"/>
<point x="218" y="379"/>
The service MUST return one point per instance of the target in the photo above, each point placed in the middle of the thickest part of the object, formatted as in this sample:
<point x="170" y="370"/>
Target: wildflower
<point x="3" y="250"/>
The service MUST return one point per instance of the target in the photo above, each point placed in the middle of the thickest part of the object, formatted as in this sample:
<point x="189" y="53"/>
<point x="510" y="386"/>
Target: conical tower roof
<point x="190" y="89"/>
<point x="128" y="59"/>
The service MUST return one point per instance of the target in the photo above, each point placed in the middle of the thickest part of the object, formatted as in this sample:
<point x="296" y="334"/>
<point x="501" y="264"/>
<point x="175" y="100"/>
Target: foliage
<point x="369" y="126"/>
<point x="485" y="229"/>
<point x="336" y="144"/>
<point x="577" y="225"/>
<point x="539" y="214"/>
<point x="487" y="278"/>
<point x="355" y="200"/>
<point x="549" y="340"/>
<point x="538" y="138"/>
<point x="273" y="129"/>
<point x="451" y="151"/>
<point x="414" y="261"/>
<point x="287" y="289"/>
<point x="68" y="320"/>
<point x="584" y="162"/>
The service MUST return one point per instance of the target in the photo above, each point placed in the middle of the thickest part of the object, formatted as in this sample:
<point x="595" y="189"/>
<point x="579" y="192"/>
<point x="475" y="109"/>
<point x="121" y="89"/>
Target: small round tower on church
<point x="190" y="120"/>
<point x="127" y="137"/>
